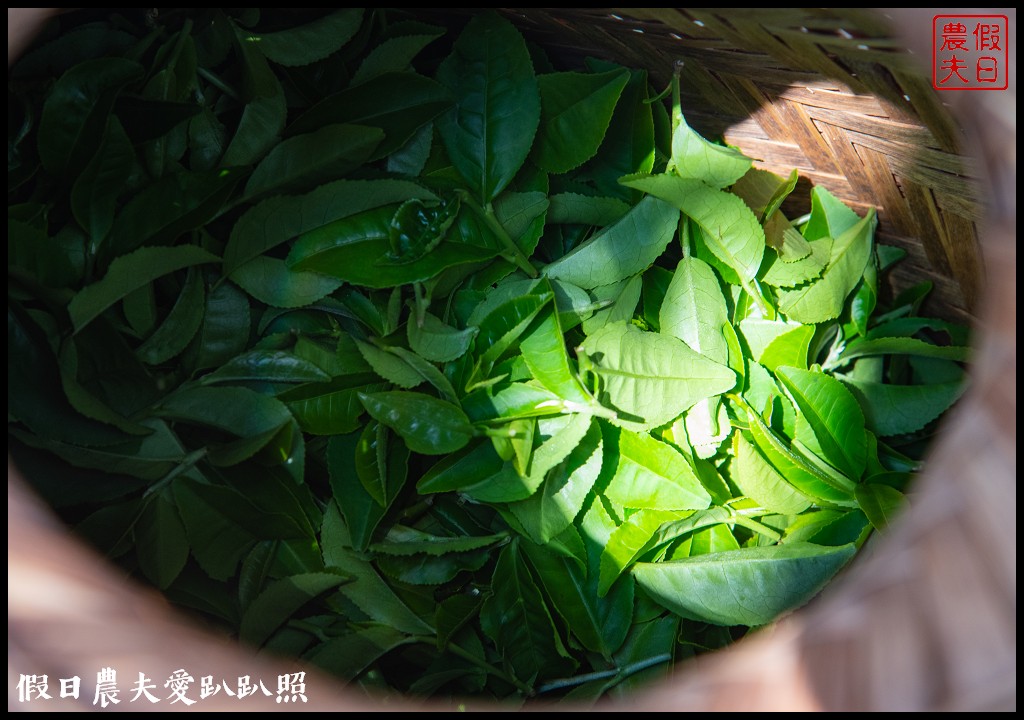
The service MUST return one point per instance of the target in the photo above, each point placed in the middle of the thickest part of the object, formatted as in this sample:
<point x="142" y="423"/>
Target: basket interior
<point x="830" y="93"/>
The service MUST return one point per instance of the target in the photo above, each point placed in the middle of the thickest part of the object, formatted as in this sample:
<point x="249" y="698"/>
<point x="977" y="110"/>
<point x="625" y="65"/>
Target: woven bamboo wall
<point x="831" y="94"/>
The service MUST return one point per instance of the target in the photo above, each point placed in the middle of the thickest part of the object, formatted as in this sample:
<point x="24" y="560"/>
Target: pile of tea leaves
<point x="396" y="349"/>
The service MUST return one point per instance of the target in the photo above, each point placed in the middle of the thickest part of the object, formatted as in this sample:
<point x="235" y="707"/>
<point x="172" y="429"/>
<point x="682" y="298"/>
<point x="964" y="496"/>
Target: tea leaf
<point x="750" y="586"/>
<point x="428" y="425"/>
<point x="311" y="42"/>
<point x="624" y="249"/>
<point x="490" y="131"/>
<point x="128" y="273"/>
<point x="650" y="378"/>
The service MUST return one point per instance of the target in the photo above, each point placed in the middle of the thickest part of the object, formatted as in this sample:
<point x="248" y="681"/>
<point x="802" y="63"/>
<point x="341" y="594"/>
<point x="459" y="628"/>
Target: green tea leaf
<point x="829" y="216"/>
<point x="730" y="229"/>
<point x="72" y="47"/>
<point x="173" y="205"/>
<point x="784" y="190"/>
<point x="516" y="617"/>
<point x="694" y="310"/>
<point x="807" y="269"/>
<point x="427" y="372"/>
<point x="35" y="396"/>
<point x="624" y="297"/>
<point x="437" y="341"/>
<point x="558" y="437"/>
<point x="707" y="426"/>
<point x="759" y="333"/>
<point x="237" y="410"/>
<point x="576" y="109"/>
<point x="431" y="570"/>
<point x="865" y="298"/>
<point x="129" y="273"/>
<point x="764" y="192"/>
<point x="757" y="479"/>
<point x="179" y="327"/>
<point x="900" y="409"/>
<point x="621" y="250"/>
<point x="654" y="475"/>
<point x="366" y="261"/>
<point x="751" y="586"/>
<point x="786" y="240"/>
<point x="695" y="158"/>
<point x="218" y="544"/>
<point x="280" y="600"/>
<point x="393" y="55"/>
<point x="367" y="590"/>
<point x="349" y="655"/>
<point x="207" y="140"/>
<point x="338" y="358"/>
<point x="714" y="539"/>
<point x="314" y="41"/>
<point x="804" y="475"/>
<point x="698" y="531"/>
<point x="75" y="113"/>
<point x="53" y="262"/>
<point x="265" y="111"/>
<point x="371" y="462"/>
<point x="553" y="508"/>
<point x="225" y="326"/>
<point x="417" y="228"/>
<point x="254" y="572"/>
<point x="411" y="158"/>
<point x="627" y="541"/>
<point x="505" y="291"/>
<point x="87" y="397"/>
<point x="828" y="527"/>
<point x="490" y="131"/>
<point x="305" y="160"/>
<point x="543" y="347"/>
<point x="600" y="623"/>
<point x="824" y="298"/>
<point x="402" y="541"/>
<point x="466" y="468"/>
<point x="902" y="346"/>
<point x="650" y="378"/>
<point x="585" y="209"/>
<point x="880" y="503"/>
<point x="790" y="348"/>
<point x="95" y="192"/>
<point x="139" y="308"/>
<point x="331" y="408"/>
<point x="161" y="543"/>
<point x="223" y="524"/>
<point x="398" y="103"/>
<point x="628" y="147"/>
<point x="500" y="329"/>
<point x="361" y="512"/>
<point x="390" y="367"/>
<point x="279" y="219"/>
<point x="150" y="457"/>
<point x="269" y="366"/>
<point x="523" y="215"/>
<point x="272" y="282"/>
<point x="453" y="614"/>
<point x="833" y="414"/>
<point x="428" y="425"/>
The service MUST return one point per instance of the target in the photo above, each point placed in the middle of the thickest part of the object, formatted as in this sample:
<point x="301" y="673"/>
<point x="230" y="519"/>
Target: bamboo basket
<point x="926" y="618"/>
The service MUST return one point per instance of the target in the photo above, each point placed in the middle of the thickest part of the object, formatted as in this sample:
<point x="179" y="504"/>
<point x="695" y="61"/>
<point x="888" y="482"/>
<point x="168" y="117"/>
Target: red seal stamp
<point x="970" y="52"/>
